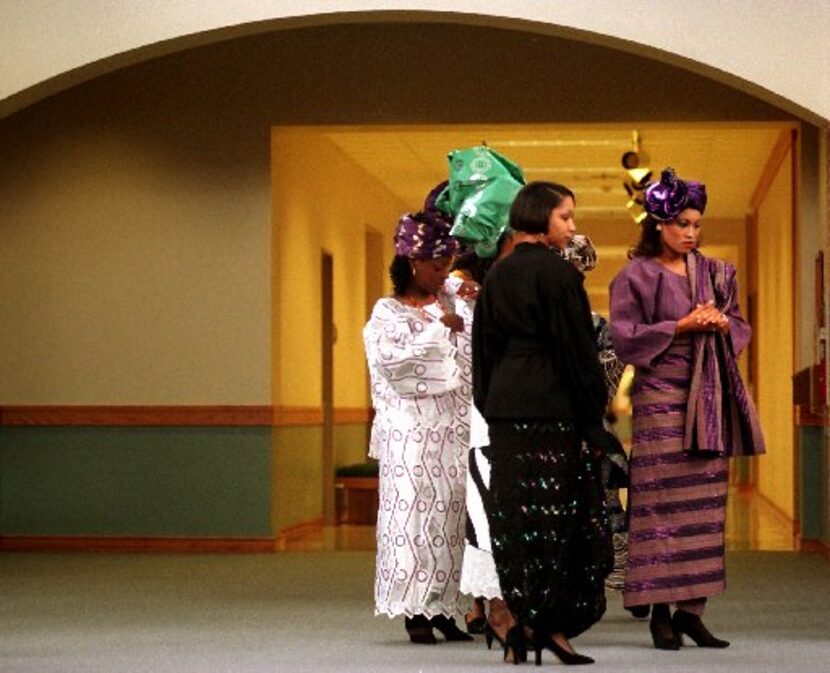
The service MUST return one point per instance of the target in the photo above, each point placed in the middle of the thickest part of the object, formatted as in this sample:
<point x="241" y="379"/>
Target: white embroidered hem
<point x="398" y="609"/>
<point x="478" y="574"/>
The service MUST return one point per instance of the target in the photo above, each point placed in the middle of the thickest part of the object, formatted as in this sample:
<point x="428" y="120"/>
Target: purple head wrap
<point x="697" y="196"/>
<point x="665" y="200"/>
<point x="424" y="235"/>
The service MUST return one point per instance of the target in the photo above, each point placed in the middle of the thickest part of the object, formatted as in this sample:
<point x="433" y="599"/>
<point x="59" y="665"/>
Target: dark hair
<point x="649" y="244"/>
<point x="400" y="272"/>
<point x="473" y="265"/>
<point x="531" y="209"/>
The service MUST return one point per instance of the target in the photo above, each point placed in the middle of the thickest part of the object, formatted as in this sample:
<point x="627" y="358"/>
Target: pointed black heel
<point x="515" y="645"/>
<point x="449" y="629"/>
<point x="419" y="630"/>
<point x="691" y="625"/>
<point x="567" y="658"/>
<point x="490" y="635"/>
<point x="662" y="632"/>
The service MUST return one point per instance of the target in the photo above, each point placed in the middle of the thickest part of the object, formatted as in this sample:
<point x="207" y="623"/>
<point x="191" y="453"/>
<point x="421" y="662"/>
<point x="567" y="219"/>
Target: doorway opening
<point x="369" y="175"/>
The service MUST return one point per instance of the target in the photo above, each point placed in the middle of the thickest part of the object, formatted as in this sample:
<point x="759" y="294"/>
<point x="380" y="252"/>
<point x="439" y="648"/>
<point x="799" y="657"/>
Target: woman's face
<point x="429" y="274"/>
<point x="561" y="224"/>
<point x="682" y="234"/>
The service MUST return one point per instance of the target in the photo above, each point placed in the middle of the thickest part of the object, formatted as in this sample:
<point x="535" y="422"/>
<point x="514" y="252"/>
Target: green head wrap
<point x="482" y="187"/>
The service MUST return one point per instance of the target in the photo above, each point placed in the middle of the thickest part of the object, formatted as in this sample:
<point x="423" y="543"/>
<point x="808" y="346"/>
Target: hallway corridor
<point x="312" y="611"/>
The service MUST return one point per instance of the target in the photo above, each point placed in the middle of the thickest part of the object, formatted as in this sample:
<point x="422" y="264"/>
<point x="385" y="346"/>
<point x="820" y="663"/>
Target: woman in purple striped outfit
<point x="674" y="316"/>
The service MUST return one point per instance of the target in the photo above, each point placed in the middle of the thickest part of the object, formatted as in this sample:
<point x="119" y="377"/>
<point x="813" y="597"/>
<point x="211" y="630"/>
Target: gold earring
<point x="659" y="227"/>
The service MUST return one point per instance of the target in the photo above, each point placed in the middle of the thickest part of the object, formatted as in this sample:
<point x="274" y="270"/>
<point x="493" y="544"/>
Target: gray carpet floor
<point x="313" y="612"/>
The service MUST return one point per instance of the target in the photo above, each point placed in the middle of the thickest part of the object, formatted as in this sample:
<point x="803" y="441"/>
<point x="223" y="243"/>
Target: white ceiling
<point x="409" y="161"/>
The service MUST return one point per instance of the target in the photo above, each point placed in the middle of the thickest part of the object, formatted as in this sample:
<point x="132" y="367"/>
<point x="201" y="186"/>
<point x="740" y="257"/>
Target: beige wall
<point x="774" y="339"/>
<point x="136" y="209"/>
<point x="322" y="201"/>
<point x="53" y="44"/>
<point x="126" y="276"/>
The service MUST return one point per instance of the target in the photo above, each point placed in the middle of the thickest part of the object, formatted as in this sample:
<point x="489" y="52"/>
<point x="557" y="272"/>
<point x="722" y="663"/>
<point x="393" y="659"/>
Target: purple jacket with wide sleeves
<point x="720" y="416"/>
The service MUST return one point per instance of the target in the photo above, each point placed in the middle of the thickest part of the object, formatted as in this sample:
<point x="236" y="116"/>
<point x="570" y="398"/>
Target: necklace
<point x="419" y="306"/>
<point x="409" y="300"/>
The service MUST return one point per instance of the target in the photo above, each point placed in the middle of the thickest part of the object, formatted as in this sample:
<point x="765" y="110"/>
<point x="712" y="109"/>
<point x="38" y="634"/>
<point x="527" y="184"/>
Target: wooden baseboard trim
<point x="133" y="415"/>
<point x="71" y="543"/>
<point x="813" y="546"/>
<point x="297" y="532"/>
<point x="353" y="415"/>
<point x="180" y="415"/>
<point x="286" y="416"/>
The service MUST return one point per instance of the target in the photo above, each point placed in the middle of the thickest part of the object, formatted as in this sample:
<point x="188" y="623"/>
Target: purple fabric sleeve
<point x="638" y="341"/>
<point x="740" y="332"/>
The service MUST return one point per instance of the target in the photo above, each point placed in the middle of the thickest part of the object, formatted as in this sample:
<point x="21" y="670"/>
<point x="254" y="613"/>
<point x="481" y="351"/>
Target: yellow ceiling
<point x="729" y="159"/>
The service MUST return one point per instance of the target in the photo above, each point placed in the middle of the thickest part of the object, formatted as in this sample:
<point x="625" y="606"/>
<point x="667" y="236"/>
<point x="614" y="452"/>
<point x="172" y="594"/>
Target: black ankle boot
<point x="662" y="632"/>
<point x="449" y="629"/>
<point x="419" y="630"/>
<point x="692" y="626"/>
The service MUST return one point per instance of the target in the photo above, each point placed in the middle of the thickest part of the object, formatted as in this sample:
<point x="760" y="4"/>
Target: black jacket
<point x="534" y="351"/>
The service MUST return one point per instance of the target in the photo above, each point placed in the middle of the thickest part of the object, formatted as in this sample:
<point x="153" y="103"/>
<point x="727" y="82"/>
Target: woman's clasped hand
<point x="704" y="318"/>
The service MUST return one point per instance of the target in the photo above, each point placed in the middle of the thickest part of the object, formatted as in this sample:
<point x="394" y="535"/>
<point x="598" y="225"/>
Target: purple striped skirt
<point x="677" y="501"/>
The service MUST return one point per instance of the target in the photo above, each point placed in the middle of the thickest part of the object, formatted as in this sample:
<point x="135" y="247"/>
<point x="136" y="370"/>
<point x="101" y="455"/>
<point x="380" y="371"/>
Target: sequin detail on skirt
<point x="550" y="533"/>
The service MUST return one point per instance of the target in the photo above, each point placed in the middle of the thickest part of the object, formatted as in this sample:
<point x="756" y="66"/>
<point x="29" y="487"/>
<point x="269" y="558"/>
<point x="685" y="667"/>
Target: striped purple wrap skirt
<point x="677" y="500"/>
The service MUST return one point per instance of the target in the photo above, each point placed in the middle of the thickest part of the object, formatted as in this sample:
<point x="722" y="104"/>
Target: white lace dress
<point x="421" y="388"/>
<point x="478" y="572"/>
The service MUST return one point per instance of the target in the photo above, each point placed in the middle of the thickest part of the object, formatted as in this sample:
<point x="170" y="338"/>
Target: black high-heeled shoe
<point x="476" y="624"/>
<point x="490" y="635"/>
<point x="419" y="630"/>
<point x="662" y="632"/>
<point x="567" y="658"/>
<point x="515" y="645"/>
<point x="449" y="629"/>
<point x="692" y="626"/>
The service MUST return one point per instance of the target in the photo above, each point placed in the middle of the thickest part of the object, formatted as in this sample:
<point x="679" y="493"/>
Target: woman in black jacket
<point x="538" y="382"/>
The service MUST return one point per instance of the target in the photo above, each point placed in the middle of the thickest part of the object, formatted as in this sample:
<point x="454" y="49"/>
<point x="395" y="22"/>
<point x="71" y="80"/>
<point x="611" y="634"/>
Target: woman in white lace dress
<point x="418" y="349"/>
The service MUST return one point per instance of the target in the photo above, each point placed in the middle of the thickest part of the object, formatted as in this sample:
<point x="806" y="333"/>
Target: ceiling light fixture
<point x="558" y="143"/>
<point x="637" y="176"/>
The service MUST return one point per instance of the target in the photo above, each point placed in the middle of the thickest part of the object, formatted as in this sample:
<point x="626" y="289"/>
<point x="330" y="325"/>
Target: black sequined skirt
<point x="550" y="533"/>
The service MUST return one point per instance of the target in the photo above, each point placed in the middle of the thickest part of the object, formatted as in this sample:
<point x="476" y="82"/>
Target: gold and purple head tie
<point x="424" y="235"/>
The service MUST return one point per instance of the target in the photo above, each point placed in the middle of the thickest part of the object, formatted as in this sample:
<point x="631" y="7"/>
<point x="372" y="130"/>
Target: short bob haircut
<point x="531" y="209"/>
